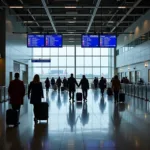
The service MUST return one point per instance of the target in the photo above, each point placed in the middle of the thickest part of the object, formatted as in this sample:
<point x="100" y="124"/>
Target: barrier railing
<point x="4" y="96"/>
<point x="136" y="90"/>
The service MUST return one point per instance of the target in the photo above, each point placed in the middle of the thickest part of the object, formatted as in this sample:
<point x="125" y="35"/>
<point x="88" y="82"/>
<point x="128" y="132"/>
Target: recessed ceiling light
<point x="71" y="21"/>
<point x="16" y="7"/>
<point x="28" y="21"/>
<point x="122" y="7"/>
<point x="71" y="32"/>
<point x="70" y="7"/>
<point x="110" y="21"/>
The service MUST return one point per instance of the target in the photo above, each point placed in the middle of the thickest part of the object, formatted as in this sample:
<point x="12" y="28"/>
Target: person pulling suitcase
<point x="72" y="87"/>
<point x="36" y="91"/>
<point x="84" y="83"/>
<point x="16" y="91"/>
<point x="116" y="86"/>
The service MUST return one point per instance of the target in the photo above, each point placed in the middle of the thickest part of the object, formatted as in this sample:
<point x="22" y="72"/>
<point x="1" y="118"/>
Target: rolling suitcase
<point x="42" y="111"/>
<point x="79" y="97"/>
<point x="109" y="92"/>
<point x="12" y="117"/>
<point x="62" y="89"/>
<point x="122" y="97"/>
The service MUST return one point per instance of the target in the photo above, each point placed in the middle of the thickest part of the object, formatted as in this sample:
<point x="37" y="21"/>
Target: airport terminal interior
<point x="95" y="38"/>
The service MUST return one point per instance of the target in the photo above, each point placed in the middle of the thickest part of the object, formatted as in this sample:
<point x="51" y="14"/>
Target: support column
<point x="2" y="47"/>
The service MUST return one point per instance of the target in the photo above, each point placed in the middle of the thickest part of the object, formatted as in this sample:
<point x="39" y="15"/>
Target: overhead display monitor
<point x="35" y="40"/>
<point x="108" y="41"/>
<point x="53" y="40"/>
<point x="90" y="41"/>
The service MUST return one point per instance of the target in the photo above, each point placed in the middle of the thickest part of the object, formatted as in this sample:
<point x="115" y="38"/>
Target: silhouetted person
<point x="47" y="84"/>
<point x="65" y="83"/>
<point x="116" y="86"/>
<point x="126" y="80"/>
<point x="84" y="86"/>
<point x="53" y="82"/>
<point x="72" y="86"/>
<point x="96" y="83"/>
<point x="36" y="90"/>
<point x="102" y="85"/>
<point x="16" y="91"/>
<point x="58" y="82"/>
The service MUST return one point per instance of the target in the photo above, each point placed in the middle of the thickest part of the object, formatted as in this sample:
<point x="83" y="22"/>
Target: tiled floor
<point x="95" y="125"/>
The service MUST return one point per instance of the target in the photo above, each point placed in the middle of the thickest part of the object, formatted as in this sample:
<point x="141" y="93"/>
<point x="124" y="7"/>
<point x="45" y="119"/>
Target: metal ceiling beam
<point x="93" y="15"/>
<point x="49" y="15"/>
<point x="86" y="7"/>
<point x="77" y="15"/>
<point x="73" y="22"/>
<point x="75" y="26"/>
<point x="67" y="21"/>
<point x="29" y="13"/>
<point x="127" y="14"/>
<point x="67" y="33"/>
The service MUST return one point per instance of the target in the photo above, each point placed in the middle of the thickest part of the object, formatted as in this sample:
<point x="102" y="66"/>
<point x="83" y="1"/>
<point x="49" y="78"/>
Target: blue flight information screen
<point x="35" y="40"/>
<point x="53" y="41"/>
<point x="90" y="41"/>
<point x="109" y="41"/>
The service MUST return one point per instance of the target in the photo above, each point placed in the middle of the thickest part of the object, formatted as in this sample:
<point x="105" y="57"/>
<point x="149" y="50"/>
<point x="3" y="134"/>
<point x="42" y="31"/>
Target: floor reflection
<point x="95" y="124"/>
<point x="13" y="139"/>
<point x="71" y="117"/>
<point x="85" y="115"/>
<point x="116" y="119"/>
<point x="102" y="104"/>
<point x="59" y="103"/>
<point x="40" y="137"/>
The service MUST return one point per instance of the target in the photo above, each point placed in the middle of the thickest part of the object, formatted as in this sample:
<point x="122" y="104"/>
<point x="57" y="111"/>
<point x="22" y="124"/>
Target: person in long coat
<point x="16" y="91"/>
<point x="102" y="85"/>
<point x="72" y="86"/>
<point x="84" y="86"/>
<point x="36" y="91"/>
<point x="47" y="84"/>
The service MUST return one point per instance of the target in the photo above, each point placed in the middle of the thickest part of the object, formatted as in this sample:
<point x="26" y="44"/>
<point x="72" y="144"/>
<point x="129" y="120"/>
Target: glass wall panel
<point x="70" y="61"/>
<point x="62" y="51"/>
<point x="36" y="71"/>
<point x="62" y="61"/>
<point x="62" y="72"/>
<point x="79" y="61"/>
<point x="37" y="52"/>
<point x="54" y="61"/>
<point x="79" y="50"/>
<point x="93" y="62"/>
<point x="46" y="64"/>
<point x="54" y="72"/>
<point x="46" y="51"/>
<point x="70" y="50"/>
<point x="96" y="72"/>
<point x="104" y="51"/>
<point x="79" y="72"/>
<point x="96" y="61"/>
<point x="88" y="61"/>
<point x="104" y="72"/>
<point x="88" y="51"/>
<point x="88" y="72"/>
<point x="96" y="51"/>
<point x="70" y="71"/>
<point x="104" y="61"/>
<point x="54" y="51"/>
